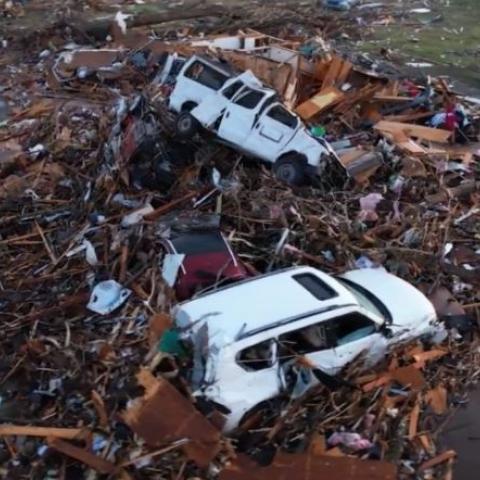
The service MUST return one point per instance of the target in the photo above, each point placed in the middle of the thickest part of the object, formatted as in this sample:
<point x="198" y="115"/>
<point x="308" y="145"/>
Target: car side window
<point x="313" y="338"/>
<point x="232" y="89"/>
<point x="206" y="75"/>
<point x="256" y="357"/>
<point x="325" y="335"/>
<point x="249" y="98"/>
<point x="351" y="327"/>
<point x="282" y="115"/>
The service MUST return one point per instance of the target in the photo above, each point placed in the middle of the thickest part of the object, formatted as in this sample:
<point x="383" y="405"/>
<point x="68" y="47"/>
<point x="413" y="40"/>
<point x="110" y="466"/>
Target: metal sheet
<point x="163" y="415"/>
<point x="307" y="467"/>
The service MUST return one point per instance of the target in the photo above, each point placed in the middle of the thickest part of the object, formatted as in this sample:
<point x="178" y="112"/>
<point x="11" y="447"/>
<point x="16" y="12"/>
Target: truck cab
<point x="249" y="117"/>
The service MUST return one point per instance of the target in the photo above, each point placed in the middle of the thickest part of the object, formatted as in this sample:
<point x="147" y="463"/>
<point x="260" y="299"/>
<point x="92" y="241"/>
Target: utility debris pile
<point x="270" y="182"/>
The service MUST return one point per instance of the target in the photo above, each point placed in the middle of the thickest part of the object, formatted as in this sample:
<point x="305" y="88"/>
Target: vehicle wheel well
<point x="298" y="156"/>
<point x="265" y="405"/>
<point x="188" y="106"/>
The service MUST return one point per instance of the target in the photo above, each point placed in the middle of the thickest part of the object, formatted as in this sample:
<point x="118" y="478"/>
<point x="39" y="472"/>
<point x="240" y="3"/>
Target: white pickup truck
<point x="247" y="116"/>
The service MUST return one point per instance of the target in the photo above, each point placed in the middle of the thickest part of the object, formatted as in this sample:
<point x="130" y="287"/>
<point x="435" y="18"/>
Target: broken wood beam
<point x="94" y="461"/>
<point x="30" y="431"/>
<point x="412" y="130"/>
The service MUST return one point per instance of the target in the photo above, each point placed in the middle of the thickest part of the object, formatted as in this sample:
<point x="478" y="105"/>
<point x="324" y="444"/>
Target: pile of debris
<point x="124" y="191"/>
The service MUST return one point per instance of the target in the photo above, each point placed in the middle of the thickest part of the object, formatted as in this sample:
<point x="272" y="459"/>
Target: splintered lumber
<point x="412" y="130"/>
<point x="25" y="430"/>
<point x="359" y="163"/>
<point x="437" y="399"/>
<point x="94" y="461"/>
<point x="413" y="424"/>
<point x="392" y="98"/>
<point x="333" y="73"/>
<point x="344" y="73"/>
<point x="319" y="102"/>
<point x="443" y="457"/>
<point x="268" y="71"/>
<point x="158" y="212"/>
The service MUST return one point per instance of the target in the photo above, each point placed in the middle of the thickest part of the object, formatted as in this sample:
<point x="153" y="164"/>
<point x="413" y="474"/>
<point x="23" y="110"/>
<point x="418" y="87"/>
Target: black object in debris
<point x="330" y="381"/>
<point x="4" y="109"/>
<point x="264" y="455"/>
<point x="464" y="324"/>
<point x="139" y="59"/>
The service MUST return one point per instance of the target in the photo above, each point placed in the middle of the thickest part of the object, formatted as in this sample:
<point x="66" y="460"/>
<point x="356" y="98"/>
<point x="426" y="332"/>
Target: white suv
<point x="242" y="335"/>
<point x="248" y="117"/>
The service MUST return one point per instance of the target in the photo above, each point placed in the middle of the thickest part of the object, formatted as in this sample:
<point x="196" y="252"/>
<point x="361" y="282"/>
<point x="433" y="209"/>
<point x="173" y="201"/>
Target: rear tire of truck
<point x="186" y="125"/>
<point x="290" y="169"/>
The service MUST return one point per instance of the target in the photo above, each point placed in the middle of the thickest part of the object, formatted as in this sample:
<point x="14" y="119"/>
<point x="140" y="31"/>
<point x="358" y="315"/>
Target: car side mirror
<point x="386" y="331"/>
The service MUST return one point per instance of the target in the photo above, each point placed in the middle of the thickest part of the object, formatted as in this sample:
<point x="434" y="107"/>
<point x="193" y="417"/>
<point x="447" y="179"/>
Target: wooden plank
<point x="392" y="98"/>
<point x="413" y="423"/>
<point x="332" y="73"/>
<point x="437" y="399"/>
<point x="412" y="130"/>
<point x="465" y="153"/>
<point x="408" y="117"/>
<point x="402" y="141"/>
<point x="430" y="355"/>
<point x="320" y="68"/>
<point x="412" y="147"/>
<point x="318" y="103"/>
<point x="273" y="73"/>
<point x="29" y="431"/>
<point x="308" y="467"/>
<point x="344" y="73"/>
<point x="94" y="461"/>
<point x="443" y="457"/>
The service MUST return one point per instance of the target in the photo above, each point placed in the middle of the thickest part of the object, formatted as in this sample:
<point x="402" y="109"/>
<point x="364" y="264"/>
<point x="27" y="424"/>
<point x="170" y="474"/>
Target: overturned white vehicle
<point x="241" y="346"/>
<point x="247" y="116"/>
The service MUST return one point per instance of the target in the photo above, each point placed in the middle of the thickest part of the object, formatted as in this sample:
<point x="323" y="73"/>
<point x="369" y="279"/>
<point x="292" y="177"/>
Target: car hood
<point x="407" y="305"/>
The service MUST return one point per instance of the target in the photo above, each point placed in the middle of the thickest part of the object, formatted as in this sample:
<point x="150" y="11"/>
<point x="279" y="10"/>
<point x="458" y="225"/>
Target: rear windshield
<point x="206" y="75"/>
<point x="199" y="242"/>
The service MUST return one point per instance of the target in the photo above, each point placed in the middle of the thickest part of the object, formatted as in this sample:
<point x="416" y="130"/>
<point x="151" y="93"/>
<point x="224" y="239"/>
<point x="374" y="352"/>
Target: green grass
<point x="452" y="44"/>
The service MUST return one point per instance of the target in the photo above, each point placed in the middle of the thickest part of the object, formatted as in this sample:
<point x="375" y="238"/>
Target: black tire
<point x="290" y="169"/>
<point x="186" y="125"/>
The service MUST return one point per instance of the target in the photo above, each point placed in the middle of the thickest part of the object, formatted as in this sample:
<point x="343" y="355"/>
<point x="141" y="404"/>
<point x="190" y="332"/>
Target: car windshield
<point x="366" y="299"/>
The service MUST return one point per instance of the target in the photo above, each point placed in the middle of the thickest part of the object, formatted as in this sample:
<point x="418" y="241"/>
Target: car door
<point x="213" y="106"/>
<point x="240" y="116"/>
<point x="246" y="377"/>
<point x="331" y="341"/>
<point x="353" y="334"/>
<point x="274" y="128"/>
<point x="309" y="339"/>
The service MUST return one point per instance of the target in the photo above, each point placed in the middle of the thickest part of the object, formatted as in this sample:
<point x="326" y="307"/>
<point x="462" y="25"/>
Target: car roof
<point x="259" y="304"/>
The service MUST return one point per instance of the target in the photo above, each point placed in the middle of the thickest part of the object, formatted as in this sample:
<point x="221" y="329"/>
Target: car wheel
<point x="186" y="125"/>
<point x="290" y="169"/>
